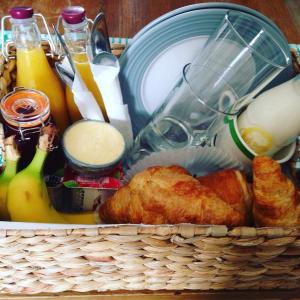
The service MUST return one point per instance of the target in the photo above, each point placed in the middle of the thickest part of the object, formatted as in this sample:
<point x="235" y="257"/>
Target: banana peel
<point x="87" y="218"/>
<point x="11" y="161"/>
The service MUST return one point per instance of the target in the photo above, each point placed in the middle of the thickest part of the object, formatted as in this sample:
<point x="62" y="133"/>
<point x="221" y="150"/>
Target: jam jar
<point x="24" y="113"/>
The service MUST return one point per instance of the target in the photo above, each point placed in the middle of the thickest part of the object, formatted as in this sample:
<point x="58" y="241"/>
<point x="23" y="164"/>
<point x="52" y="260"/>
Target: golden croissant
<point x="168" y="195"/>
<point x="276" y="200"/>
<point x="232" y="186"/>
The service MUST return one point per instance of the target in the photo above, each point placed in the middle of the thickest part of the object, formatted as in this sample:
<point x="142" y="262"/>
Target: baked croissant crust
<point x="276" y="201"/>
<point x="168" y="195"/>
<point x="232" y="187"/>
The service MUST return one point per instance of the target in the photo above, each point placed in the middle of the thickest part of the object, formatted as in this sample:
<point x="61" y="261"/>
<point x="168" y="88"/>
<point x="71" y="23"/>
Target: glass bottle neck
<point x="76" y="36"/>
<point x="25" y="33"/>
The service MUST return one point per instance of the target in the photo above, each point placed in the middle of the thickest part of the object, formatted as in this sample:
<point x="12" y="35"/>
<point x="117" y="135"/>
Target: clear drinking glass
<point x="238" y="60"/>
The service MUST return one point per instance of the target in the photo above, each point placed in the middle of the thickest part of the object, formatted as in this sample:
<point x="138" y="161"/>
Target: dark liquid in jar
<point x="24" y="113"/>
<point x="27" y="141"/>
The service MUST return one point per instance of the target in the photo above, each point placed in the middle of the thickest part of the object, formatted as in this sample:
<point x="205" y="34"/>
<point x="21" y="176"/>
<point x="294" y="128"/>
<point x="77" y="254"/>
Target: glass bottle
<point x="33" y="69"/>
<point x="76" y="34"/>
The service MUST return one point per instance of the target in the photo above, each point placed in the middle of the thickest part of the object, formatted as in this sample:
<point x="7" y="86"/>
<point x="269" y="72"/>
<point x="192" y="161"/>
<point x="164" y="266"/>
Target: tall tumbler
<point x="238" y="61"/>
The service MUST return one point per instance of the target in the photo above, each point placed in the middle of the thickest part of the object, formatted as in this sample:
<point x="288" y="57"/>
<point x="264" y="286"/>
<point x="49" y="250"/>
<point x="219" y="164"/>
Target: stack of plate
<point x="156" y="55"/>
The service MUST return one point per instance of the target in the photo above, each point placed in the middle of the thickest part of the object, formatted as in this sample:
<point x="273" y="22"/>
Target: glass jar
<point x="25" y="112"/>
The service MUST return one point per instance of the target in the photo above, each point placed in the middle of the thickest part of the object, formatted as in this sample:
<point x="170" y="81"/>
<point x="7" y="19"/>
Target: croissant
<point x="276" y="200"/>
<point x="231" y="186"/>
<point x="168" y="195"/>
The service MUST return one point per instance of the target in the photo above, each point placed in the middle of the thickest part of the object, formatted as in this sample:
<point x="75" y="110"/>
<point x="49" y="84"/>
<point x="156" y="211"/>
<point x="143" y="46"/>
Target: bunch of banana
<point x="27" y="195"/>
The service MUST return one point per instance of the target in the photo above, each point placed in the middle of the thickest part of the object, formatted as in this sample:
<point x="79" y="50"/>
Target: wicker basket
<point x="137" y="257"/>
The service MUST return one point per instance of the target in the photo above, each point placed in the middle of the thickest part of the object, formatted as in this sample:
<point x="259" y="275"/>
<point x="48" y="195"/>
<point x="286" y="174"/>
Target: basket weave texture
<point x="179" y="257"/>
<point x="136" y="257"/>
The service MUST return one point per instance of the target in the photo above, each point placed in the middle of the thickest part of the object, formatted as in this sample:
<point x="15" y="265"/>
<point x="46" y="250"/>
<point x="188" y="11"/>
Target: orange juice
<point x="34" y="71"/>
<point x="74" y="113"/>
<point x="83" y="67"/>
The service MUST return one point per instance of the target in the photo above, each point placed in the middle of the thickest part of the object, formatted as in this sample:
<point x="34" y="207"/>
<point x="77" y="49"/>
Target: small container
<point x="24" y="112"/>
<point x="77" y="199"/>
<point x="93" y="148"/>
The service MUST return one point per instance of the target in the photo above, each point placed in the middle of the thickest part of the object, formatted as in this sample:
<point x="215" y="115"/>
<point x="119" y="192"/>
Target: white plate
<point x="182" y="52"/>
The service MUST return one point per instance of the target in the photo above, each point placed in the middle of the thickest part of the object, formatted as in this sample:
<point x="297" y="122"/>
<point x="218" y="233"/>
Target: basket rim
<point x="184" y="230"/>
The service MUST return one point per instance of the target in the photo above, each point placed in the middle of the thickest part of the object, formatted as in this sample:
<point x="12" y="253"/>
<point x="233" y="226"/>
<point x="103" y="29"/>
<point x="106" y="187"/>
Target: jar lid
<point x="73" y="14"/>
<point x="25" y="108"/>
<point x="21" y="12"/>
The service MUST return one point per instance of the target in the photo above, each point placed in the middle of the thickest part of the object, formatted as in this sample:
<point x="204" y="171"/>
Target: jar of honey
<point x="25" y="112"/>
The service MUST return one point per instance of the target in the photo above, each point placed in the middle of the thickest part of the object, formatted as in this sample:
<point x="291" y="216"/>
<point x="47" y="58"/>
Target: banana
<point x="27" y="196"/>
<point x="87" y="217"/>
<point x="11" y="157"/>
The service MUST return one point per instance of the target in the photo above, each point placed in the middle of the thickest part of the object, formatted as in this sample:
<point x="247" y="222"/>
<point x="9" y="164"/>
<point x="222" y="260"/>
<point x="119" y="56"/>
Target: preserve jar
<point x="24" y="113"/>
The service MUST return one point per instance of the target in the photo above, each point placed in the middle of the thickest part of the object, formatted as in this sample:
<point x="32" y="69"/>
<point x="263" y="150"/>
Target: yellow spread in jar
<point x="94" y="142"/>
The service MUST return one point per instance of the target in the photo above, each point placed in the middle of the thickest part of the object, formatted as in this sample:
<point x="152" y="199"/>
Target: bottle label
<point x="258" y="139"/>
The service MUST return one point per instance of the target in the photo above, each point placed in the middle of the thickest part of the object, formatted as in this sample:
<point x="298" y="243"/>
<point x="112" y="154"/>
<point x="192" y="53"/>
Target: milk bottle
<point x="272" y="120"/>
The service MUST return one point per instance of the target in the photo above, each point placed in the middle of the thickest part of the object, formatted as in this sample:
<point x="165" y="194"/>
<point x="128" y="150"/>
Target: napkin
<point x="108" y="83"/>
<point x="83" y="98"/>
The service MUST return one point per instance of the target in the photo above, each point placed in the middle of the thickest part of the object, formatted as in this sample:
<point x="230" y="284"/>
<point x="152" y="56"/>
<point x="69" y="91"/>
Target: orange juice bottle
<point x="74" y="113"/>
<point x="76" y="34"/>
<point x="33" y="69"/>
